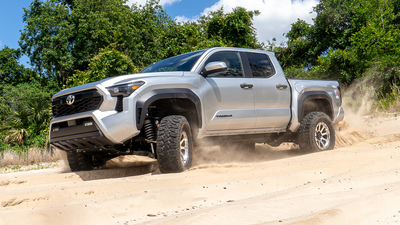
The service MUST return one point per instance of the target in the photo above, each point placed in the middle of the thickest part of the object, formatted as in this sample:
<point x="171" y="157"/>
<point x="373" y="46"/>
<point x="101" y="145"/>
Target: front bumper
<point x="80" y="135"/>
<point x="94" y="131"/>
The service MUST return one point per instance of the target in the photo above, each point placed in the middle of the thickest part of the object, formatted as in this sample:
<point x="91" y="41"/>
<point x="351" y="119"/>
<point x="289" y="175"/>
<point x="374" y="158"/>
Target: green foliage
<point x="11" y="71"/>
<point x="151" y="42"/>
<point x="338" y="64"/>
<point x="25" y="112"/>
<point x="62" y="37"/>
<point x="389" y="99"/>
<point x="349" y="40"/>
<point x="46" y="39"/>
<point x="234" y="29"/>
<point x="298" y="51"/>
<point x="334" y="25"/>
<point x="108" y="63"/>
<point x="297" y="72"/>
<point x="188" y="37"/>
<point x="99" y="23"/>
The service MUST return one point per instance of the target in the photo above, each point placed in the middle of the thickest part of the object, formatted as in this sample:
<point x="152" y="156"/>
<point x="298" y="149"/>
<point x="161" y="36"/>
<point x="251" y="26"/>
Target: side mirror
<point x="214" y="67"/>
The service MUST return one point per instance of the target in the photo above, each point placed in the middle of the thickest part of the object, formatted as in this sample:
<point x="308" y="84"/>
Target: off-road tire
<point x="174" y="145"/>
<point x="78" y="161"/>
<point x="316" y="133"/>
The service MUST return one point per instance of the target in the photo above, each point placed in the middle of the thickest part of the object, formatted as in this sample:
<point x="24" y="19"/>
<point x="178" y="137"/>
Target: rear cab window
<point x="260" y="65"/>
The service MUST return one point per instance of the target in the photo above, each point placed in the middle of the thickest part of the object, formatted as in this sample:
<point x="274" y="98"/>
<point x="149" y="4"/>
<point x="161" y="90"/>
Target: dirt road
<point x="358" y="184"/>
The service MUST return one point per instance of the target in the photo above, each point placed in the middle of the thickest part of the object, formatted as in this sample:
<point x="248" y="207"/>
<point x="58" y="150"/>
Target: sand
<point x="356" y="183"/>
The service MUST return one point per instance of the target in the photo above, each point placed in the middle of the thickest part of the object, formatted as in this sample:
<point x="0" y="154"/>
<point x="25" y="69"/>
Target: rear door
<point x="271" y="91"/>
<point x="228" y="95"/>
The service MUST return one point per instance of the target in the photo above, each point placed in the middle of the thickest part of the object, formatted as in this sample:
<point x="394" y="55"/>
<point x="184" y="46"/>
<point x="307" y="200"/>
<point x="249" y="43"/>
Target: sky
<point x="275" y="19"/>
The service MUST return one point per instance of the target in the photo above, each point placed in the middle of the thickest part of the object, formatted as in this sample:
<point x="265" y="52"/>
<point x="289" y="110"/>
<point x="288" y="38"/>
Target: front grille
<point x="84" y="101"/>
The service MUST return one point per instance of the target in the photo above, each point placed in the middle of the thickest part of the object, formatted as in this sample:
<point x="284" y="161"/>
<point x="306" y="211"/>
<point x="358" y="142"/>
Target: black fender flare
<point x="310" y="95"/>
<point x="144" y="101"/>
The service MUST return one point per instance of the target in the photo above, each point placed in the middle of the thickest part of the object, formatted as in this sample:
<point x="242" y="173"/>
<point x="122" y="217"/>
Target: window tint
<point x="232" y="61"/>
<point x="260" y="65"/>
<point x="183" y="62"/>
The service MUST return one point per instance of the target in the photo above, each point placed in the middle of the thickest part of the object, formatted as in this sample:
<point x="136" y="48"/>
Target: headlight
<point x="124" y="89"/>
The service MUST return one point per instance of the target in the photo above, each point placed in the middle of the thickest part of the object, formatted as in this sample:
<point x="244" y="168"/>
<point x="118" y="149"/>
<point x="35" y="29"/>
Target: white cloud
<point x="1" y="43"/>
<point x="276" y="15"/>
<point x="186" y="19"/>
<point x="275" y="19"/>
<point x="168" y="2"/>
<point x="143" y="2"/>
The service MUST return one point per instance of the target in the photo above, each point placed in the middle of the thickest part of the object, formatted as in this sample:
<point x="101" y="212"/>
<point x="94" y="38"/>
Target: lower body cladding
<point x="83" y="135"/>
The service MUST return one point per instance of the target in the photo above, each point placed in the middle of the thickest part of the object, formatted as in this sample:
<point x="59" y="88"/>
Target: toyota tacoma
<point x="216" y="96"/>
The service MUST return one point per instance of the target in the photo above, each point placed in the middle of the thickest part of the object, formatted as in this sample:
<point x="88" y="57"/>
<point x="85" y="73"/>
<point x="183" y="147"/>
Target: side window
<point x="232" y="60"/>
<point x="260" y="65"/>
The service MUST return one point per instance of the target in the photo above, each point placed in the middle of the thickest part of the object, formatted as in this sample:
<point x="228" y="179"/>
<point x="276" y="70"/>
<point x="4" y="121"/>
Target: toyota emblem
<point x="70" y="99"/>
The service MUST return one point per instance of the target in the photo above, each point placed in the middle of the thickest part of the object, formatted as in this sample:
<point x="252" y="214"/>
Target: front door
<point x="228" y="96"/>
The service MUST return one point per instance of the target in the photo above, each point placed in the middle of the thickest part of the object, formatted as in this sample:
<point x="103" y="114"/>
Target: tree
<point x="216" y="29"/>
<point x="47" y="39"/>
<point x="187" y="37"/>
<point x="381" y="36"/>
<point x="378" y="43"/>
<point x="298" y="51"/>
<point x="11" y="71"/>
<point x="347" y="40"/>
<point x="25" y="111"/>
<point x="108" y="63"/>
<point x="153" y="25"/>
<point x="234" y="29"/>
<point x="99" y="23"/>
<point x="62" y="36"/>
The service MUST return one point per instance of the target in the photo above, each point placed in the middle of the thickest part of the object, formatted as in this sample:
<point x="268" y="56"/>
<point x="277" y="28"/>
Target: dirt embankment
<point x="357" y="183"/>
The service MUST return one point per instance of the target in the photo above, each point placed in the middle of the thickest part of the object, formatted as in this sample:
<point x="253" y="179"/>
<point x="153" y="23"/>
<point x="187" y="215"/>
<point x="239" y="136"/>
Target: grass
<point x="32" y="159"/>
<point x="39" y="166"/>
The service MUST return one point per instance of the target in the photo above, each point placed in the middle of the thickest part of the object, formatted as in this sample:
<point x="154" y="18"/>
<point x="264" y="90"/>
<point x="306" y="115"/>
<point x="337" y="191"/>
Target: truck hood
<point x="119" y="80"/>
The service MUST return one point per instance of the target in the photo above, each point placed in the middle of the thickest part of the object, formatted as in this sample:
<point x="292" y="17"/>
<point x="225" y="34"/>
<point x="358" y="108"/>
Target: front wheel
<point x="174" y="144"/>
<point x="78" y="161"/>
<point x="316" y="133"/>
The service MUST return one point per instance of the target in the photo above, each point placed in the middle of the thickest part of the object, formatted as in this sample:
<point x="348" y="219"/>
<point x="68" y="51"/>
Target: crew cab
<point x="216" y="96"/>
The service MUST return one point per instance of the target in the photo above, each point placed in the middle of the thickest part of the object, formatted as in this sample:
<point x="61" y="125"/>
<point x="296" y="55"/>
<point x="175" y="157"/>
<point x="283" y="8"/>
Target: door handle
<point x="246" y="85"/>
<point x="281" y="86"/>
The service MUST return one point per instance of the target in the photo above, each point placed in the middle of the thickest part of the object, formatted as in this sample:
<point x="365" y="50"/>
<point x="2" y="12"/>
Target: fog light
<point x="87" y="124"/>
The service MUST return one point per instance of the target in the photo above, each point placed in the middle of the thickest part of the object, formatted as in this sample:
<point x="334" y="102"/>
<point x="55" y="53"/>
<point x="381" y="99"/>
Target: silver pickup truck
<point x="217" y="96"/>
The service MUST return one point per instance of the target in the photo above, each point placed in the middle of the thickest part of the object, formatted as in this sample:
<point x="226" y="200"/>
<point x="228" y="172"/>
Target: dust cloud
<point x="64" y="167"/>
<point x="224" y="155"/>
<point x="358" y="102"/>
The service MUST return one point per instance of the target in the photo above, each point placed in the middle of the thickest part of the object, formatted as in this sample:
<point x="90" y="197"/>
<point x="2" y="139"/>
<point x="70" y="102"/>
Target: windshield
<point x="183" y="62"/>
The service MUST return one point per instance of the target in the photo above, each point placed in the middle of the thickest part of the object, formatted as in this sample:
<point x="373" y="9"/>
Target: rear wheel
<point x="316" y="133"/>
<point x="78" y="161"/>
<point x="174" y="144"/>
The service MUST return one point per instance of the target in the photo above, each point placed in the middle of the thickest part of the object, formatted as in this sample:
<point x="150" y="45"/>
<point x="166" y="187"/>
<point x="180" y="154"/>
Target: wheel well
<point x="317" y="105"/>
<point x="176" y="106"/>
